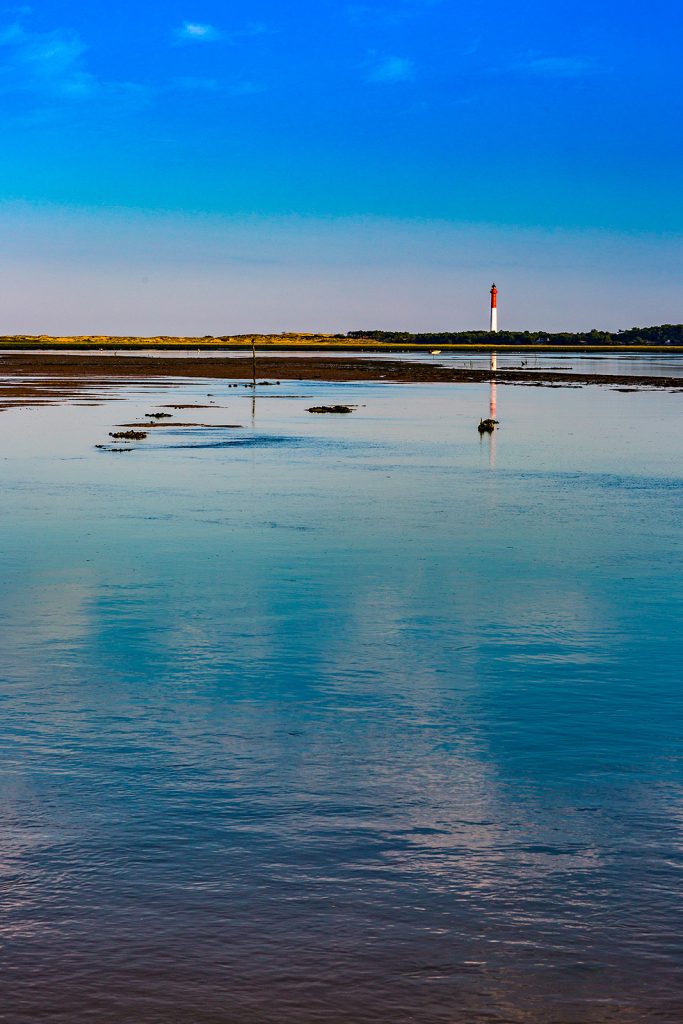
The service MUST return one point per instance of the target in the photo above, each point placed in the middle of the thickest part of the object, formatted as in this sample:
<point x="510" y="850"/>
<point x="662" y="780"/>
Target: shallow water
<point x="343" y="719"/>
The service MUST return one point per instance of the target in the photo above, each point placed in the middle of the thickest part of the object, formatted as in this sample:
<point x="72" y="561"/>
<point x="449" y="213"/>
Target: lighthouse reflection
<point x="493" y="402"/>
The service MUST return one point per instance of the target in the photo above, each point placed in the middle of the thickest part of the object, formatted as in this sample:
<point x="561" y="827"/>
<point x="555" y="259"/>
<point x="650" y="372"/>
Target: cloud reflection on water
<point x="351" y="726"/>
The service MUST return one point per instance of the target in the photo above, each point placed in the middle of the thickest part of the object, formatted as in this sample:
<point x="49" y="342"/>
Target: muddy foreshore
<point x="33" y="378"/>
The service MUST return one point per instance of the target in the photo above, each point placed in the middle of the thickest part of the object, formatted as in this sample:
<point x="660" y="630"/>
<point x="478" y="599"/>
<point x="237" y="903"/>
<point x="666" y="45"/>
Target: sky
<point x="204" y="167"/>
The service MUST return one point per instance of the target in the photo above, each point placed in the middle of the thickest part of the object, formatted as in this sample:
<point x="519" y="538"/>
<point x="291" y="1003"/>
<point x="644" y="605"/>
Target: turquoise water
<point x="343" y="719"/>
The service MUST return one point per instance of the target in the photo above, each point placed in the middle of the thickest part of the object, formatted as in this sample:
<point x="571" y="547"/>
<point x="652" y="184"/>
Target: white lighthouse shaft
<point x="494" y="309"/>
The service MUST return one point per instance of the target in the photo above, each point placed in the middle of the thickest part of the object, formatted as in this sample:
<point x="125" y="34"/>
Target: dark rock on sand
<point x="331" y="408"/>
<point x="129" y="435"/>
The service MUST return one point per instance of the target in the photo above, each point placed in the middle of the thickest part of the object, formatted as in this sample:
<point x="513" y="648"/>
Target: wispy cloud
<point x="197" y="32"/>
<point x="368" y="15"/>
<point x="575" y="66"/>
<point x="49" y="70"/>
<point x="246" y="89"/>
<point x="390" y="69"/>
<point x="214" y="85"/>
<point x="201" y="32"/>
<point x="195" y="83"/>
<point x="45" y="63"/>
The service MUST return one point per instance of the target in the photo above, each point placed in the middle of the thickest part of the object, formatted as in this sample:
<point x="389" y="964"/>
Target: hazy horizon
<point x="80" y="271"/>
<point x="194" y="169"/>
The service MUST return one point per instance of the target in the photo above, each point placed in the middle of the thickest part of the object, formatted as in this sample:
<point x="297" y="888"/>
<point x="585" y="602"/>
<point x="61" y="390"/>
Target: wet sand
<point x="38" y="378"/>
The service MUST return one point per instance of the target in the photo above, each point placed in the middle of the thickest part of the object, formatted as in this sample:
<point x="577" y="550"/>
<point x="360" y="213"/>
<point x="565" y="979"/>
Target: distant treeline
<point x="666" y="334"/>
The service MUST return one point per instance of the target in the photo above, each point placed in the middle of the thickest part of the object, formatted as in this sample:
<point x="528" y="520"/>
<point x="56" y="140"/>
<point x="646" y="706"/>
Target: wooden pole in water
<point x="253" y="383"/>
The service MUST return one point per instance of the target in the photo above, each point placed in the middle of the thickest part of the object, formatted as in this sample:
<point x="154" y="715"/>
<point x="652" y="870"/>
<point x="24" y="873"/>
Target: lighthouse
<point x="494" y="309"/>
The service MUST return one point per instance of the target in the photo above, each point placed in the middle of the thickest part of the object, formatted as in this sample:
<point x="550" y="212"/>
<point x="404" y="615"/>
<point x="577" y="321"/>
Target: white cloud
<point x="196" y="32"/>
<point x="392" y="69"/>
<point x="199" y="32"/>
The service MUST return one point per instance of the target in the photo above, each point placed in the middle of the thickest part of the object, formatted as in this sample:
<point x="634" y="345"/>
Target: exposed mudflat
<point x="39" y="378"/>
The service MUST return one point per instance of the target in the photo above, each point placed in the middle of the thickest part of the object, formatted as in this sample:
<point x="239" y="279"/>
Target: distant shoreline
<point x="315" y="343"/>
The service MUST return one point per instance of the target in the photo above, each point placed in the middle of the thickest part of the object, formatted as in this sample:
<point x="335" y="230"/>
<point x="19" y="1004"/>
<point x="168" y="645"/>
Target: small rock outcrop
<point x="331" y="408"/>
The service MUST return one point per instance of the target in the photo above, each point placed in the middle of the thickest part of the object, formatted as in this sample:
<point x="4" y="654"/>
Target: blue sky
<point x="342" y="127"/>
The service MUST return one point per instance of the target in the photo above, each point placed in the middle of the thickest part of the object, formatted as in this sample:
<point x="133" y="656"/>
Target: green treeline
<point x="666" y="334"/>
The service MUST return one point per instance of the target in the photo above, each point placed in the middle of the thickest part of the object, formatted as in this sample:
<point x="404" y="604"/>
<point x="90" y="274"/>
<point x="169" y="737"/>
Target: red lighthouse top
<point x="494" y="296"/>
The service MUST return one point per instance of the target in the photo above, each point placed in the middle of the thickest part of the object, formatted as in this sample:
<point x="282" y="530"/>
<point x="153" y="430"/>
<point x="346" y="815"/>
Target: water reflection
<point x="493" y="411"/>
<point x="489" y="435"/>
<point x="338" y="726"/>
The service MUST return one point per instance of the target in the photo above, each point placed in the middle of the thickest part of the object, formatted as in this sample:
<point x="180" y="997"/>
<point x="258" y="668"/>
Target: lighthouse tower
<point x="494" y="310"/>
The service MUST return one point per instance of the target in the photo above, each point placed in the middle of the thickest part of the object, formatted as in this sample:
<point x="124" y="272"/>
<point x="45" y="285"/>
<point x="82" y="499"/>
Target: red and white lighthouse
<point x="494" y="309"/>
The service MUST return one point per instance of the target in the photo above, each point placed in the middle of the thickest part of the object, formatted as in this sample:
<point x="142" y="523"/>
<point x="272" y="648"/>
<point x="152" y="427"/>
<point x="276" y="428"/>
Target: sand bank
<point x="29" y="378"/>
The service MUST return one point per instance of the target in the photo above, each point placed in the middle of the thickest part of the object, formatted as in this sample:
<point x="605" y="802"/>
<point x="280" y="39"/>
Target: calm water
<point x="343" y="719"/>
